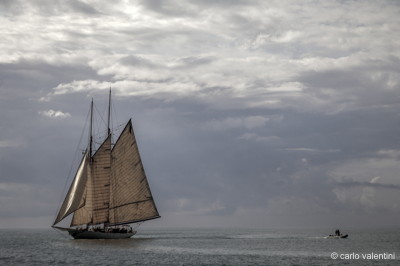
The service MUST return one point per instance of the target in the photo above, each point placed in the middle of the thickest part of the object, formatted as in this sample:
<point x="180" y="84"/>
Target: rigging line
<point x="112" y="176"/>
<point x="72" y="164"/>
<point x="58" y="231"/>
<point x="114" y="117"/>
<point x="100" y="114"/>
<point x="97" y="123"/>
<point x="101" y="127"/>
<point x="136" y="226"/>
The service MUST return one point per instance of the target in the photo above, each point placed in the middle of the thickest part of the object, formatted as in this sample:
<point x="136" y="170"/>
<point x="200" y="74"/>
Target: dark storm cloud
<point x="246" y="113"/>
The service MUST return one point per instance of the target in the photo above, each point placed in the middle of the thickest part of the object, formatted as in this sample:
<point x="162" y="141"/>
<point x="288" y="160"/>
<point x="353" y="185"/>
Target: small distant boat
<point x="337" y="235"/>
<point x="110" y="189"/>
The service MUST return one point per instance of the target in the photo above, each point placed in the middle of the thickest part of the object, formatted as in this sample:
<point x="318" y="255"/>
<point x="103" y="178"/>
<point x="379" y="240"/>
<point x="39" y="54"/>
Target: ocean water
<point x="203" y="247"/>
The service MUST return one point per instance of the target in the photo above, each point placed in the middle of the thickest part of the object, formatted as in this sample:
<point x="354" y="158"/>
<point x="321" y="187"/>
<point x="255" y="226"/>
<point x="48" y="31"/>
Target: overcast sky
<point x="247" y="113"/>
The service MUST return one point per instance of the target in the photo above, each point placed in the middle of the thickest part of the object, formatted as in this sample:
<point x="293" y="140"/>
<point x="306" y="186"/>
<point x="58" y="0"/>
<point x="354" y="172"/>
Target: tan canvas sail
<point x="100" y="169"/>
<point x="73" y="200"/>
<point x="95" y="207"/>
<point x="130" y="198"/>
<point x="109" y="188"/>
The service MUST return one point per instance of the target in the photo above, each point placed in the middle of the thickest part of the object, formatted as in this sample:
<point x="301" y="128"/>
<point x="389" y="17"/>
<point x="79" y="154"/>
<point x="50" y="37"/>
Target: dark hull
<point x="337" y="237"/>
<point x="84" y="234"/>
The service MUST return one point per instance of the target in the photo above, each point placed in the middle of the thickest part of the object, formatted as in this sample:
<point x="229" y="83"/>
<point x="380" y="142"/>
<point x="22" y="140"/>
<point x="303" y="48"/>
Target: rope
<point x="72" y="165"/>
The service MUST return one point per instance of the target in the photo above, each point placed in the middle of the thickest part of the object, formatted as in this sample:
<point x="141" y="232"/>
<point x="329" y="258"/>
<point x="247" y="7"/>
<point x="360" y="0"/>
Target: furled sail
<point x="73" y="200"/>
<point x="130" y="198"/>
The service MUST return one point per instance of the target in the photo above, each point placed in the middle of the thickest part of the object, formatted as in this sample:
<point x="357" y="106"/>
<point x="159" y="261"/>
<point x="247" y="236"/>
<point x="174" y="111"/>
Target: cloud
<point x="240" y="107"/>
<point x="370" y="196"/>
<point x="17" y="200"/>
<point x="260" y="75"/>
<point x="54" y="114"/>
<point x="389" y="153"/>
<point x="79" y="86"/>
<point x="257" y="138"/>
<point x="371" y="184"/>
<point x="311" y="150"/>
<point x="10" y="143"/>
<point x="45" y="7"/>
<point x="249" y="122"/>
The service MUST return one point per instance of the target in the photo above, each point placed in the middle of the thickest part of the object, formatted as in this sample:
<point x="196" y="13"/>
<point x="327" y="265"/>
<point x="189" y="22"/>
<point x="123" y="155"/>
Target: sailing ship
<point x="110" y="190"/>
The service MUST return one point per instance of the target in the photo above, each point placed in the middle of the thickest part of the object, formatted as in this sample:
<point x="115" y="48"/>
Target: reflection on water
<point x="192" y="247"/>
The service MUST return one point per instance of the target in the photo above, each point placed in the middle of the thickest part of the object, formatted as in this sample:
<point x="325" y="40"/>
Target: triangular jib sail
<point x="110" y="186"/>
<point x="73" y="200"/>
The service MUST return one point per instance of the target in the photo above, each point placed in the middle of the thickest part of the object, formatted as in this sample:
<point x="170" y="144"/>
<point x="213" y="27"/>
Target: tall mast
<point x="109" y="113"/>
<point x="109" y="133"/>
<point x="90" y="131"/>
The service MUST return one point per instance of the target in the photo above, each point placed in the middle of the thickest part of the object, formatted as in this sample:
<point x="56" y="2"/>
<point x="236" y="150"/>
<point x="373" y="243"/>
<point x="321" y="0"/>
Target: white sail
<point x="130" y="198"/>
<point x="83" y="215"/>
<point x="73" y="200"/>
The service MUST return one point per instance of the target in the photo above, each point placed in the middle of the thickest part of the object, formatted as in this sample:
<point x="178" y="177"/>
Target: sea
<point x="194" y="246"/>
